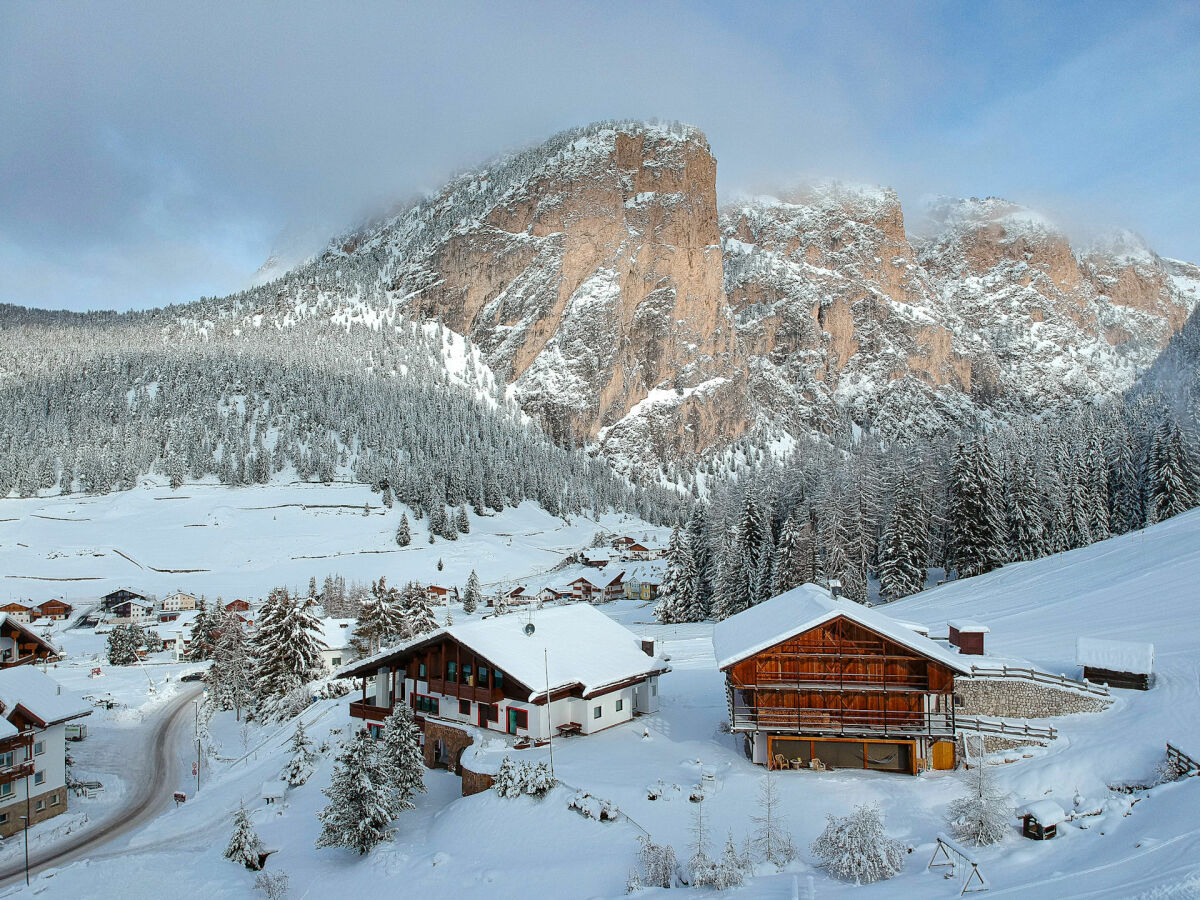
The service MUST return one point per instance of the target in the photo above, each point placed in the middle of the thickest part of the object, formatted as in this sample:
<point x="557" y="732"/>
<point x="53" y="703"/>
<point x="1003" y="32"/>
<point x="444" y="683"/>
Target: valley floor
<point x="1140" y="586"/>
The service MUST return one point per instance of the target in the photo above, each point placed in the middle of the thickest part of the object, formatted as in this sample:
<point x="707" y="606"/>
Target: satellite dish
<point x="529" y="629"/>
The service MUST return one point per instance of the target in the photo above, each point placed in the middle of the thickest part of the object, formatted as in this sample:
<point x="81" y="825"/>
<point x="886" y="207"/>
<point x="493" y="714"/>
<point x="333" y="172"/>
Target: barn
<point x="1119" y="664"/>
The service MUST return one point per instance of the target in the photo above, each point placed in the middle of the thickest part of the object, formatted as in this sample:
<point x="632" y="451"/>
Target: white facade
<point x="178" y="601"/>
<point x="335" y="634"/>
<point x="20" y="611"/>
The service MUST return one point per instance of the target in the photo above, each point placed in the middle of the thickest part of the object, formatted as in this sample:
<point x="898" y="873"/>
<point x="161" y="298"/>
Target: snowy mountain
<point x="600" y="288"/>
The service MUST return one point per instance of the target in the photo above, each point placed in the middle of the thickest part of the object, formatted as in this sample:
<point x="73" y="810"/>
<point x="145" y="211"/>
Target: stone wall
<point x="474" y="782"/>
<point x="14" y="825"/>
<point x="1017" y="698"/>
<point x="455" y="739"/>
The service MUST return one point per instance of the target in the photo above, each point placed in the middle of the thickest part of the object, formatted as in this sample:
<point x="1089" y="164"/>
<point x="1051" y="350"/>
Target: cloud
<point x="152" y="152"/>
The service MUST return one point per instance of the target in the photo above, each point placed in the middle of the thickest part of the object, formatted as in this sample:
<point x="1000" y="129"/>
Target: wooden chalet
<point x="615" y="589"/>
<point x="237" y="606"/>
<point x="492" y="674"/>
<point x="20" y="646"/>
<point x="54" y="609"/>
<point x="133" y="610"/>
<point x="815" y="681"/>
<point x="21" y="610"/>
<point x="582" y="589"/>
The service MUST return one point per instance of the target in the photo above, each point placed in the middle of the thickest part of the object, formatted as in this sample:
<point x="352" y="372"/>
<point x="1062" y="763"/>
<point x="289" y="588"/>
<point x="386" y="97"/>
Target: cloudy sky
<point x="154" y="152"/>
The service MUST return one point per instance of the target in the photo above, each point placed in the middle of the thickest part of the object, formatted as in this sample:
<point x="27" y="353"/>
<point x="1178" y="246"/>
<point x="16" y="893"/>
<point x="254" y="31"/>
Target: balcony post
<point x="382" y="686"/>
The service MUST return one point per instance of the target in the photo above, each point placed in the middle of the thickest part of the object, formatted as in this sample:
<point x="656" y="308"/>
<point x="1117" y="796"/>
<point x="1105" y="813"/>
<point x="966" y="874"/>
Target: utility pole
<point x="549" y="716"/>
<point x="196" y="708"/>
<point x="25" y="818"/>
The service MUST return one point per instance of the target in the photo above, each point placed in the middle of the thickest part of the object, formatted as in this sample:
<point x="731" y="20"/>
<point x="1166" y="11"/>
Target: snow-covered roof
<point x="24" y="604"/>
<point x="182" y="623"/>
<point x="1116" y="656"/>
<point x="40" y="694"/>
<point x="26" y="631"/>
<point x="969" y="626"/>
<point x="1046" y="811"/>
<point x="914" y="626"/>
<point x="7" y="729"/>
<point x="336" y="633"/>
<point x="273" y="790"/>
<point x="582" y="646"/>
<point x="803" y="608"/>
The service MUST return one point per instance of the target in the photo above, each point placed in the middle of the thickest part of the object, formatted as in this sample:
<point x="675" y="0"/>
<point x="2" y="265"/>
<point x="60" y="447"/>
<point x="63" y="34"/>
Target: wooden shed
<point x="967" y="636"/>
<point x="1040" y="819"/>
<point x="1119" y="664"/>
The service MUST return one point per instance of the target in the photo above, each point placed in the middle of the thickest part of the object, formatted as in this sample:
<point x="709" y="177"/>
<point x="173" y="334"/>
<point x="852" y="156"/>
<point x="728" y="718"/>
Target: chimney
<point x="835" y="588"/>
<point x="648" y="646"/>
<point x="968" y="637"/>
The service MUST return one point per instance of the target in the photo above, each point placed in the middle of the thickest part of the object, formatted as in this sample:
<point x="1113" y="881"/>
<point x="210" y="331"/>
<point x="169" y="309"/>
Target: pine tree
<point x="361" y="800"/>
<point x="230" y="678"/>
<point x="244" y="845"/>
<point x="793" y="566"/>
<point x="303" y="758"/>
<point x="1023" y="509"/>
<point x="463" y="521"/>
<point x="402" y="756"/>
<point x="287" y="646"/>
<point x="122" y="646"/>
<point x="977" y="541"/>
<point x="380" y="620"/>
<point x="904" y="552"/>
<point x="403" y="532"/>
<point x="983" y="815"/>
<point x="417" y="608"/>
<point x="1171" y="481"/>
<point x="672" y="591"/>
<point x="701" y="558"/>
<point x="205" y="631"/>
<point x="471" y="596"/>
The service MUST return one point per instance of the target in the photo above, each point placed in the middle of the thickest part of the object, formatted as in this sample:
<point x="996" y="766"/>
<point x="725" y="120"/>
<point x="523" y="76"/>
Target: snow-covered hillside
<point x="1139" y="586"/>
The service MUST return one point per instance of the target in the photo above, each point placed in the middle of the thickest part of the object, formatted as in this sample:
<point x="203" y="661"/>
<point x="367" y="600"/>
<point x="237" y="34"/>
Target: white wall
<point x="52" y="761"/>
<point x="609" y="715"/>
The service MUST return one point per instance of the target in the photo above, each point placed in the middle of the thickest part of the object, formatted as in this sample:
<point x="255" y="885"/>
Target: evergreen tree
<point x="287" y="646"/>
<point x="794" y="557"/>
<point x="123" y="645"/>
<point x="205" y="631"/>
<point x="698" y="537"/>
<point x="904" y="552"/>
<point x="676" y="593"/>
<point x="463" y="521"/>
<point x="977" y="541"/>
<point x="361" y="798"/>
<point x="244" y="845"/>
<point x="417" y="608"/>
<point x="1023" y="511"/>
<point x="402" y="756"/>
<point x="302" y="759"/>
<point x="380" y="620"/>
<point x="403" y="532"/>
<point x="1171" y="480"/>
<point x="230" y="678"/>
<point x="471" y="596"/>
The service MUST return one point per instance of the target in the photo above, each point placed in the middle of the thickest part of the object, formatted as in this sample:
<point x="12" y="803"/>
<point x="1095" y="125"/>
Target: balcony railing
<point x="858" y="681"/>
<point x="366" y="709"/>
<point x="842" y="721"/>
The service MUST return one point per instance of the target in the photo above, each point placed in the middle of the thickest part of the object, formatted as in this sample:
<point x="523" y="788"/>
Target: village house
<point x="110" y="600"/>
<point x="336" y="634"/>
<point x="34" y="711"/>
<point x="642" y="552"/>
<point x="622" y="544"/>
<point x="179" y="601"/>
<point x="492" y="674"/>
<point x="20" y="646"/>
<point x="176" y="634"/>
<point x="641" y="589"/>
<point x="582" y="589"/>
<point x="24" y="611"/>
<point x="56" y="610"/>
<point x="514" y="597"/>
<point x="818" y="681"/>
<point x="552" y="595"/>
<point x="615" y="589"/>
<point x="133" y="611"/>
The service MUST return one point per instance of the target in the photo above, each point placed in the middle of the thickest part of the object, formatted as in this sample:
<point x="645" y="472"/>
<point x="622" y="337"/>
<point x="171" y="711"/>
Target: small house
<point x="1040" y="819"/>
<point x="24" y="611"/>
<point x="237" y="606"/>
<point x="56" y="610"/>
<point x="622" y="544"/>
<point x="551" y="595"/>
<point x="594" y="559"/>
<point x="641" y="589"/>
<point x="1119" y="664"/>
<point x="642" y="552"/>
<point x="133" y="610"/>
<point x="967" y="636"/>
<point x="437" y="594"/>
<point x="336" y="634"/>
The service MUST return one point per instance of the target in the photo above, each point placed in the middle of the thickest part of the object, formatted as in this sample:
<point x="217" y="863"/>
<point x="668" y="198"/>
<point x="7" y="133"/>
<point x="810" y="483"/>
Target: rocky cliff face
<point x="597" y="275"/>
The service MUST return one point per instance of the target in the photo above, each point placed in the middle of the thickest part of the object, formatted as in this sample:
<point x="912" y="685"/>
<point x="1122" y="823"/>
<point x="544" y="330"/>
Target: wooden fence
<point x="1006" y="727"/>
<point x="1086" y="687"/>
<point x="1182" y="761"/>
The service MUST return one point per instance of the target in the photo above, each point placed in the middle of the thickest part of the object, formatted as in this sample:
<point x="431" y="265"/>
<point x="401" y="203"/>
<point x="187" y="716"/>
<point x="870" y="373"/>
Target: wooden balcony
<point x="849" y="681"/>
<point x="366" y="709"/>
<point x="841" y="721"/>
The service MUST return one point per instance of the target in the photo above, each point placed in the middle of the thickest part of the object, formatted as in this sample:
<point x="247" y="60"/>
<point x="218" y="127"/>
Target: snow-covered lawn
<point x="1139" y="587"/>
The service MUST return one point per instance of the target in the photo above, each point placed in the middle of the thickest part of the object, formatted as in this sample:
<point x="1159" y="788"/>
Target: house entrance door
<point x="512" y="721"/>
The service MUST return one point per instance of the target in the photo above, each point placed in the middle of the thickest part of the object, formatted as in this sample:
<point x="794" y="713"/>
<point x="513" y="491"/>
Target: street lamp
<point x="196" y="707"/>
<point x="25" y="823"/>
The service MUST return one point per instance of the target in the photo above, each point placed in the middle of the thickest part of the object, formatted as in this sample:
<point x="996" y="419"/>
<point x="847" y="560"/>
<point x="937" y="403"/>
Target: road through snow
<point x="150" y="795"/>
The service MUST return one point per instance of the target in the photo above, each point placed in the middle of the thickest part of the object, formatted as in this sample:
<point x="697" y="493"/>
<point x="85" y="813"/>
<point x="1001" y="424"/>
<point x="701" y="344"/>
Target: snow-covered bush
<point x="244" y="846"/>
<point x="983" y="814"/>
<point x="593" y="807"/>
<point x="727" y="871"/>
<point x="515" y="778"/>
<point x="856" y="848"/>
<point x="123" y="643"/>
<point x="658" y="864"/>
<point x="273" y="884"/>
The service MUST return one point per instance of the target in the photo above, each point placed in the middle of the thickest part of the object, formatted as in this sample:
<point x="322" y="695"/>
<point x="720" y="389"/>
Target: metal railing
<point x="842" y="721"/>
<point x="1086" y="687"/>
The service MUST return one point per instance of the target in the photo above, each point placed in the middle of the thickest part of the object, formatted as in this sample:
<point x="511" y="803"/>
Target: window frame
<point x="597" y="711"/>
<point x="39" y="747"/>
<point x="39" y="777"/>
<point x="452" y="671"/>
<point x="462" y="702"/>
<point x="620" y="703"/>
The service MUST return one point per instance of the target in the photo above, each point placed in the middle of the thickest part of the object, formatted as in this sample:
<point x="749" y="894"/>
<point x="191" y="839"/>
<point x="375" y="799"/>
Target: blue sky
<point x="155" y="153"/>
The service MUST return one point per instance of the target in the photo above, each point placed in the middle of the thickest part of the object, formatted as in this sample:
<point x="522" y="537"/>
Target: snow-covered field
<point x="1140" y="586"/>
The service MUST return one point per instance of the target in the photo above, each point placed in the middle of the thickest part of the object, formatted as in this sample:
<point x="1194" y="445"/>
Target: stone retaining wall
<point x="1018" y="698"/>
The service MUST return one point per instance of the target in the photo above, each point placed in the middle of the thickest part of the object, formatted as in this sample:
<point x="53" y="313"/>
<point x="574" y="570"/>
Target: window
<point x="451" y="670"/>
<point x="335" y="661"/>
<point x="3" y="818"/>
<point x="39" y="806"/>
<point x="493" y="713"/>
<point x="421" y="671"/>
<point x="517" y="719"/>
<point x="376" y="731"/>
<point x="54" y="799"/>
<point x="464" y="707"/>
<point x="620" y="705"/>
<point x="467" y="671"/>
<point x="6" y="760"/>
<point x="6" y="790"/>
<point x="597" y="712"/>
<point x="39" y="747"/>
<point x="654" y="690"/>
<point x="39" y="777"/>
<point x="427" y="704"/>
<point x="497" y="679"/>
<point x="483" y="676"/>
